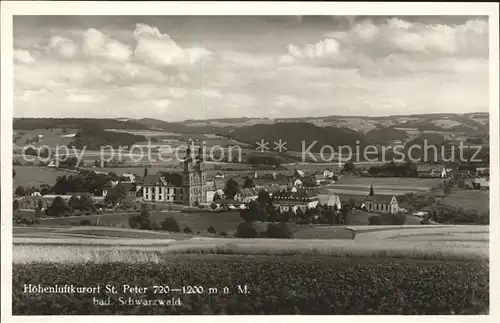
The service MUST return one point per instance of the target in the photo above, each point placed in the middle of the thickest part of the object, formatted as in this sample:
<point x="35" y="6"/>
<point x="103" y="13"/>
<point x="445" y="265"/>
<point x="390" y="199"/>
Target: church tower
<point x="194" y="176"/>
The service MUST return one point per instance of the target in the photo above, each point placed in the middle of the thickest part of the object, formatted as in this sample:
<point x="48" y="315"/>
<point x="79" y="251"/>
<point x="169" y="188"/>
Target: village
<point x="362" y="193"/>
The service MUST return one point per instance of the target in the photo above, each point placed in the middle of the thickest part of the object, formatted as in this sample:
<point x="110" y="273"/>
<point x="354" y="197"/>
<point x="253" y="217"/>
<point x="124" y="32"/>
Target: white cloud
<point x="23" y="56"/>
<point x="82" y="98"/>
<point x="209" y="93"/>
<point x="323" y="48"/>
<point x="96" y="44"/>
<point x="162" y="104"/>
<point x="62" y="47"/>
<point x="159" y="49"/>
<point x="410" y="47"/>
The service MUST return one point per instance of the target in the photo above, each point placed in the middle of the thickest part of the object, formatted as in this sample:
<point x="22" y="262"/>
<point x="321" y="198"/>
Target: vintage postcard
<point x="249" y="159"/>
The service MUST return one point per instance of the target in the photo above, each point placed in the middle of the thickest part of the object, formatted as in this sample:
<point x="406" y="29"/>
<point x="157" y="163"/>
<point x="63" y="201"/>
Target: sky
<point x="199" y="67"/>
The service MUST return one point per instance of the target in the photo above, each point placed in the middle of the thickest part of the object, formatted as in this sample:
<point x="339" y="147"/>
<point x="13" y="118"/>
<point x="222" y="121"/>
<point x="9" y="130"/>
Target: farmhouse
<point x="187" y="187"/>
<point x="130" y="178"/>
<point x="481" y="183"/>
<point x="327" y="173"/>
<point x="291" y="201"/>
<point x="483" y="171"/>
<point x="247" y="195"/>
<point x="382" y="204"/>
<point x="431" y="171"/>
<point x="297" y="174"/>
<point x="330" y="200"/>
<point x="131" y="189"/>
<point x="220" y="175"/>
<point x="461" y="172"/>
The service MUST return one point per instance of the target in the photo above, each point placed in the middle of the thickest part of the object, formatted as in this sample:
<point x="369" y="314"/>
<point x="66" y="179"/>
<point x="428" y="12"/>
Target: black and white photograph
<point x="186" y="162"/>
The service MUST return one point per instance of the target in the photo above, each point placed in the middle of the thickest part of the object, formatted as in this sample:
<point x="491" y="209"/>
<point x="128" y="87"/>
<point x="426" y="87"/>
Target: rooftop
<point x="380" y="198"/>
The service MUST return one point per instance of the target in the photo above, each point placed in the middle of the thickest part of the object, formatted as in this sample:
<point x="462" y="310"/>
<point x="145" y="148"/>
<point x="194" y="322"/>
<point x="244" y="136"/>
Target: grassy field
<point x="51" y="137"/>
<point x="352" y="185"/>
<point x="28" y="176"/>
<point x="75" y="244"/>
<point x="467" y="199"/>
<point x="197" y="221"/>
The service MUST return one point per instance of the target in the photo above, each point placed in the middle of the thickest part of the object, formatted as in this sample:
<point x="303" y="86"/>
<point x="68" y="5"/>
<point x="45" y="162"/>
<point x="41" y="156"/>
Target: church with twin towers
<point x="187" y="187"/>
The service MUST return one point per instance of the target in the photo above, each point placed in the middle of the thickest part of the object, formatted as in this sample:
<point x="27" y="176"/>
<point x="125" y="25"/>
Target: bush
<point x="188" y="230"/>
<point x="246" y="230"/>
<point x="278" y="231"/>
<point x="15" y="205"/>
<point x="425" y="221"/>
<point x="223" y="234"/>
<point x="197" y="232"/>
<point x="399" y="219"/>
<point x="373" y="220"/>
<point x="171" y="225"/>
<point x="154" y="226"/>
<point x="212" y="230"/>
<point x="85" y="222"/>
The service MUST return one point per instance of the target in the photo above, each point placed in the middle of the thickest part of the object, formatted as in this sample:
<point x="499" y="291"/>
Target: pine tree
<point x="371" y="190"/>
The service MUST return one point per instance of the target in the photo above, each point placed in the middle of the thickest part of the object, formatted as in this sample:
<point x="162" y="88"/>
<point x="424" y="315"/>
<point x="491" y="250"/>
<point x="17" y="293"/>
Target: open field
<point x="28" y="176"/>
<point x="76" y="244"/>
<point x="467" y="199"/>
<point x="351" y="185"/>
<point x="197" y="221"/>
<point x="49" y="137"/>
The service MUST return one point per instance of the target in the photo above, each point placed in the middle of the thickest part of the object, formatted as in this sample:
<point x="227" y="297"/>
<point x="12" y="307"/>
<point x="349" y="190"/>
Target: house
<point x="212" y="195"/>
<point x="330" y="200"/>
<point x="290" y="201"/>
<point x="297" y="183"/>
<point x="220" y="175"/>
<point x="382" y="204"/>
<point x="129" y="178"/>
<point x="481" y="183"/>
<point x="247" y="195"/>
<point x="297" y="174"/>
<point x="104" y="190"/>
<point x="131" y="189"/>
<point x="35" y="193"/>
<point x="483" y="171"/>
<point x="186" y="187"/>
<point x="328" y="174"/>
<point x="431" y="171"/>
<point x="320" y="179"/>
<point x="462" y="172"/>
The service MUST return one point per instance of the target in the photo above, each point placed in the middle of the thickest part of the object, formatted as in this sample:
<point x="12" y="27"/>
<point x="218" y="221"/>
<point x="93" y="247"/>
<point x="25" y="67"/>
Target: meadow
<point x="352" y="185"/>
<point x="467" y="199"/>
<point x="29" y="176"/>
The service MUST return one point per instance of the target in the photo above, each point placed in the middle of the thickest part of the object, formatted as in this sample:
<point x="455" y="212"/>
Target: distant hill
<point x="431" y="138"/>
<point x="180" y="127"/>
<point x="386" y="134"/>
<point x="294" y="133"/>
<point x="74" y="123"/>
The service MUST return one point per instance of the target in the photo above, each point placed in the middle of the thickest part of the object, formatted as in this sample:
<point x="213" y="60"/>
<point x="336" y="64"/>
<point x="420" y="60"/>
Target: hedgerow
<point x="276" y="285"/>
